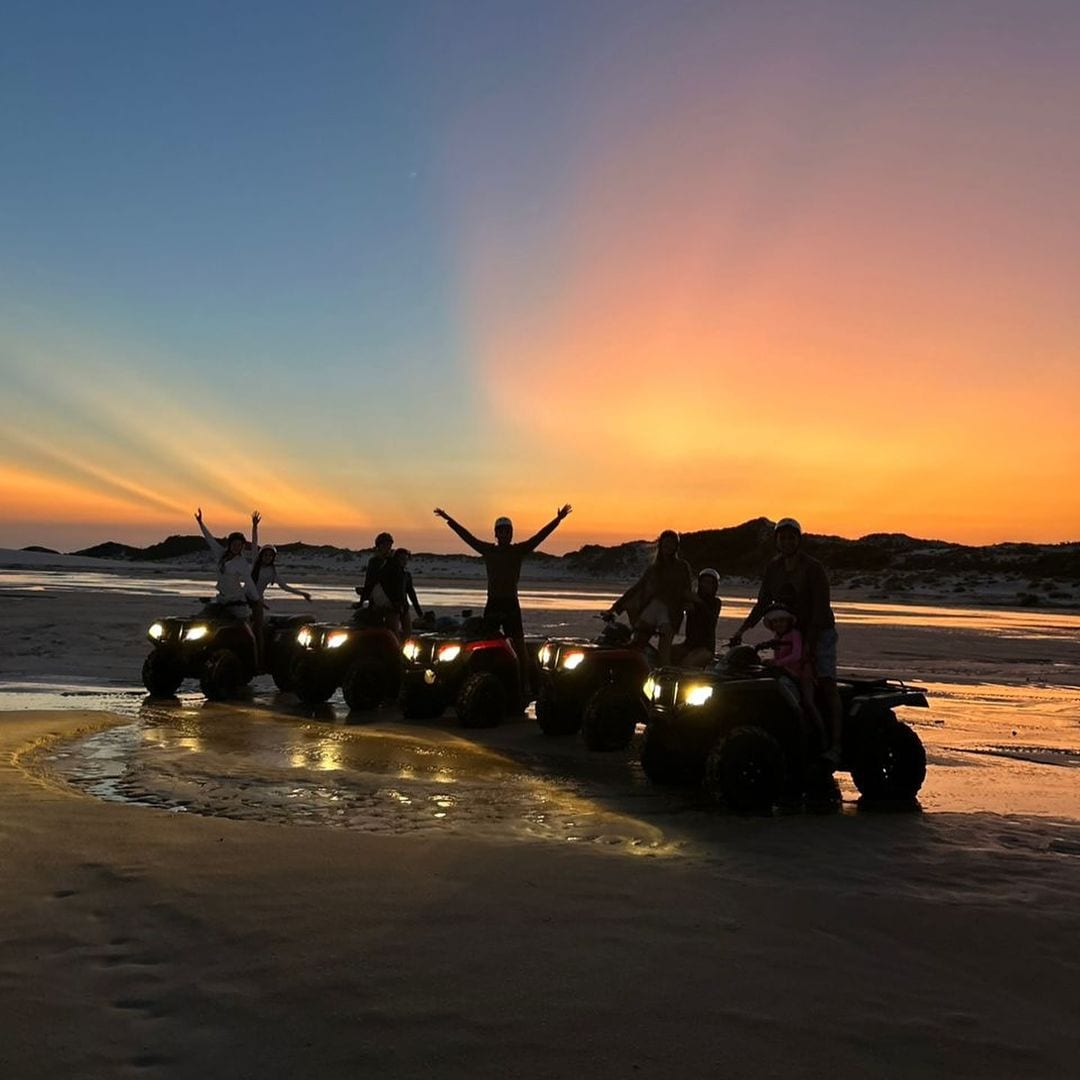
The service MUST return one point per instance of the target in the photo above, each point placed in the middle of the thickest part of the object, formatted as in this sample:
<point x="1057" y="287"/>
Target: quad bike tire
<point x="482" y="701"/>
<point x="281" y="668"/>
<point x="421" y="703"/>
<point x="611" y="716"/>
<point x="660" y="763"/>
<point x="222" y="675"/>
<point x="311" y="684"/>
<point x="746" y="770"/>
<point x="162" y="673"/>
<point x="889" y="762"/>
<point x="556" y="717"/>
<point x="366" y="684"/>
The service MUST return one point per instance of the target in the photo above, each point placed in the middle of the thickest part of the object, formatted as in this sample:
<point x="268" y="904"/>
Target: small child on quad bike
<point x="789" y="654"/>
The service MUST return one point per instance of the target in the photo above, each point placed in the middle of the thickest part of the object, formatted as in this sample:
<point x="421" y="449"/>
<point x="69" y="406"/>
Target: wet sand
<point x="138" y="942"/>
<point x="261" y="890"/>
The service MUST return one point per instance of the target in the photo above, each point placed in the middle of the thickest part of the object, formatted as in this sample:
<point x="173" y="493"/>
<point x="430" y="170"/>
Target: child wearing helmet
<point x="699" y="646"/>
<point x="789" y="654"/>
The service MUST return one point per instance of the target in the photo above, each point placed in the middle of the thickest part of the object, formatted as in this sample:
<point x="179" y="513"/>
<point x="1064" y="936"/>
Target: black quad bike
<point x="594" y="687"/>
<point x="217" y="649"/>
<point x="466" y="665"/>
<point x="363" y="657"/>
<point x="739" y="730"/>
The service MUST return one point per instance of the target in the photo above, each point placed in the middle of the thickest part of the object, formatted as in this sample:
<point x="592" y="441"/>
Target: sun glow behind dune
<point x="772" y="294"/>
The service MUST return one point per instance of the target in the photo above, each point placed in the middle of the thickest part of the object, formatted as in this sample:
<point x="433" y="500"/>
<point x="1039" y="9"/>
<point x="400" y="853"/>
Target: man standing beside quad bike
<point x="503" y="560"/>
<point x="798" y="581"/>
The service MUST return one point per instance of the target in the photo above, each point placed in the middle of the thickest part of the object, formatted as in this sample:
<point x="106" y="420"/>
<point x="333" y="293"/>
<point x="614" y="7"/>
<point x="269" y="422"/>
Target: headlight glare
<point x="651" y="689"/>
<point x="305" y="637"/>
<point x="697" y="695"/>
<point x="572" y="660"/>
<point x="195" y="633"/>
<point x="411" y="649"/>
<point x="157" y="631"/>
<point x="336" y="638"/>
<point x="545" y="655"/>
<point x="447" y="653"/>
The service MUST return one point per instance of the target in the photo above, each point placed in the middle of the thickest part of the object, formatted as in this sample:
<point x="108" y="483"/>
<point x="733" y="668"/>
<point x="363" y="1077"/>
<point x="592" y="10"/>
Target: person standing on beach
<point x="799" y="582"/>
<point x="502" y="561"/>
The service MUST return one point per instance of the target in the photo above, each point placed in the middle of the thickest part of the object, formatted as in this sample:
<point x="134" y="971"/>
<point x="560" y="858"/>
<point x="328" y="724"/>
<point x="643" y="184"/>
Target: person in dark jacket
<point x="397" y="584"/>
<point x="502" y="561"/>
<point x="655" y="604"/>
<point x="384" y="548"/>
<point x="699" y="645"/>
<point x="799" y="582"/>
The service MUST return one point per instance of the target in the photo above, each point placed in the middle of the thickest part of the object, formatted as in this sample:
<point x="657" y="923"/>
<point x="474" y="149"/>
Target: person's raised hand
<point x="440" y="512"/>
<point x="563" y="511"/>
<point x="256" y="517"/>
<point x="198" y="515"/>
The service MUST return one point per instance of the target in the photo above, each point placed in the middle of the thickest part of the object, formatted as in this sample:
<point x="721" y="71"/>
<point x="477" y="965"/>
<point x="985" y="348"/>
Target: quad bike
<point x="739" y="729"/>
<point x="594" y="686"/>
<point x="465" y="664"/>
<point x="362" y="657"/>
<point x="218" y="649"/>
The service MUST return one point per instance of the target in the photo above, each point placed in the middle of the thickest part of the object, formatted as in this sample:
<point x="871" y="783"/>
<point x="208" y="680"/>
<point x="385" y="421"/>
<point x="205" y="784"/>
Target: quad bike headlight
<point x="156" y="631"/>
<point x="336" y="638"/>
<point x="195" y="633"/>
<point x="447" y="653"/>
<point x="411" y="649"/>
<point x="545" y="654"/>
<point x="305" y="636"/>
<point x="572" y="660"/>
<point x="651" y="689"/>
<point x="697" y="694"/>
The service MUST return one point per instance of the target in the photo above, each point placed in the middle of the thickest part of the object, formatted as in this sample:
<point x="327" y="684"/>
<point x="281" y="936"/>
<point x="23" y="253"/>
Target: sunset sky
<point x="675" y="263"/>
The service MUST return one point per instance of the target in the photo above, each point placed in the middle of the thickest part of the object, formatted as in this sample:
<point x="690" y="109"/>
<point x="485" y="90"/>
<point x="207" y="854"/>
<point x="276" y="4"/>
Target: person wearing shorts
<point x="502" y="561"/>
<point x="656" y="602"/>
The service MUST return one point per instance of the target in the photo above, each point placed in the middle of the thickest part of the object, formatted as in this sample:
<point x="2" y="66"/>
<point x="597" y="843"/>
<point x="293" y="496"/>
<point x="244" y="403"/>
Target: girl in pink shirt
<point x="789" y="654"/>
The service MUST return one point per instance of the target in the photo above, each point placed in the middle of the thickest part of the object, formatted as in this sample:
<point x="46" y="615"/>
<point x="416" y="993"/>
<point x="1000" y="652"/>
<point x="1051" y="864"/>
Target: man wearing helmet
<point x="799" y="582"/>
<point x="502" y="561"/>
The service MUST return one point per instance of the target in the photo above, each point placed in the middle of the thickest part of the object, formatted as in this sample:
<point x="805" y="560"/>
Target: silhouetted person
<point x="397" y="584"/>
<point x="799" y="582"/>
<point x="656" y="602"/>
<point x="502" y="560"/>
<point x="384" y="547"/>
<point x="699" y="646"/>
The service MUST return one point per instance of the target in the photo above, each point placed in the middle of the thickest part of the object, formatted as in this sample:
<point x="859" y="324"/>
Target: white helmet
<point x="787" y="523"/>
<point x="710" y="572"/>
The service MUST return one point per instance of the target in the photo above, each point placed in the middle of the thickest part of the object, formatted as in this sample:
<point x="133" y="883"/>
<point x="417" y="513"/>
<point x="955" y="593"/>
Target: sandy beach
<point x="261" y="890"/>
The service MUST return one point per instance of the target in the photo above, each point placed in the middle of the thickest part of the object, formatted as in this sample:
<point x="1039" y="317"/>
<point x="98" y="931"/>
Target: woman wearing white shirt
<point x="235" y="592"/>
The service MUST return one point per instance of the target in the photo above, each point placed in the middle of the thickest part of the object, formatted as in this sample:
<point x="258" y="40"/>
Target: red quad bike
<point x="464" y="664"/>
<point x="594" y="686"/>
<point x="217" y="649"/>
<point x="739" y="731"/>
<point x="363" y="657"/>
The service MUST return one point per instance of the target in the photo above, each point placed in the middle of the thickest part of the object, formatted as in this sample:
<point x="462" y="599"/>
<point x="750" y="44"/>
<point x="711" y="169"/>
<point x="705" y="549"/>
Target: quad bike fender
<point x="889" y="700"/>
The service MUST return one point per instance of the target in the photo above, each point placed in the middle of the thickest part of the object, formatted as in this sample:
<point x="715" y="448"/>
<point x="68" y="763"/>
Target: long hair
<point x="660" y="545"/>
<point x="225" y="556"/>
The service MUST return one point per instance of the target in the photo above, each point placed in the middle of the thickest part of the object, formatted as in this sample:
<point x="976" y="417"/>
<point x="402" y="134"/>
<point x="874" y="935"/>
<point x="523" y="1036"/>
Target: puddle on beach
<point x="269" y="759"/>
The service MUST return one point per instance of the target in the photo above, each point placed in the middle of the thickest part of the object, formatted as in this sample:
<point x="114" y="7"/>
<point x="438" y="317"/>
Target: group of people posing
<point x="793" y="600"/>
